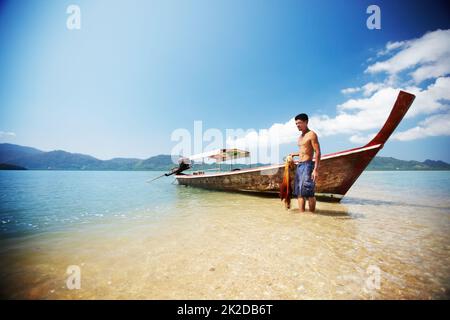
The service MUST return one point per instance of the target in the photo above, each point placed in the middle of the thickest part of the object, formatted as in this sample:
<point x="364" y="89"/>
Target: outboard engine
<point x="184" y="164"/>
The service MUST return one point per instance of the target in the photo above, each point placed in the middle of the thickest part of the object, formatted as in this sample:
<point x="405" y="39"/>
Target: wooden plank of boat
<point x="338" y="171"/>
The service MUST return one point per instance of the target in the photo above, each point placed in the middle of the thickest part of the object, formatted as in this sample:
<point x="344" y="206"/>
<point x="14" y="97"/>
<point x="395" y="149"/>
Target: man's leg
<point x="312" y="204"/>
<point x="301" y="204"/>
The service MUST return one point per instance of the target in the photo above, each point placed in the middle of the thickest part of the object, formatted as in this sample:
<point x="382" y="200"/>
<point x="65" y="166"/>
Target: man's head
<point x="301" y="121"/>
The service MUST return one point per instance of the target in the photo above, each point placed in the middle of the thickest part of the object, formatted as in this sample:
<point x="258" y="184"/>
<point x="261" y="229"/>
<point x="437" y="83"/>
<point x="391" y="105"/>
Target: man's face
<point x="301" y="125"/>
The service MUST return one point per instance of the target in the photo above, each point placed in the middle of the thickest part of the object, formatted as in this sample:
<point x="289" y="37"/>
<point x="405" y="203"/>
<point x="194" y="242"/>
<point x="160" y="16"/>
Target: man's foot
<point x="301" y="204"/>
<point x="312" y="204"/>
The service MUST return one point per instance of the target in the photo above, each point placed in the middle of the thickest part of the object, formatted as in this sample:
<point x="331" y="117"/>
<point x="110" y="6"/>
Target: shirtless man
<point x="307" y="171"/>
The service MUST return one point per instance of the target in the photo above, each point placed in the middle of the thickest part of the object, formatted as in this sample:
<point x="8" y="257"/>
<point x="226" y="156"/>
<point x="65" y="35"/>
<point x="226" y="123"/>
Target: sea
<point x="114" y="235"/>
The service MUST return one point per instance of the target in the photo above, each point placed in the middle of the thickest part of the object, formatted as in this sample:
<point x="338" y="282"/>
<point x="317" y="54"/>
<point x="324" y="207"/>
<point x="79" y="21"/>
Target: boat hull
<point x="337" y="173"/>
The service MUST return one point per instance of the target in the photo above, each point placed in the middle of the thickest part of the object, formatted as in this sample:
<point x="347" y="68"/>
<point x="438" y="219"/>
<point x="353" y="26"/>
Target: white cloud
<point x="367" y="89"/>
<point x="427" y="57"/>
<point x="279" y="133"/>
<point x="432" y="70"/>
<point x="430" y="55"/>
<point x="357" y="115"/>
<point x="435" y="125"/>
<point x="4" y="134"/>
<point x="370" y="114"/>
<point x="362" y="139"/>
<point x="392" y="46"/>
<point x="351" y="90"/>
<point x="371" y="87"/>
<point x="433" y="99"/>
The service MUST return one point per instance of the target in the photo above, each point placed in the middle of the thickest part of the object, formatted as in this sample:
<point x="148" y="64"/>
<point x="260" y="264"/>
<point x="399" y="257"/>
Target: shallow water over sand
<point x="134" y="240"/>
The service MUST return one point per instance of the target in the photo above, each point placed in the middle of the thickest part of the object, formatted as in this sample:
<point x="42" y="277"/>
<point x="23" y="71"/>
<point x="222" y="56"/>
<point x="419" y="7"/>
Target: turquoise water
<point x="139" y="240"/>
<point x="413" y="188"/>
<point x="42" y="201"/>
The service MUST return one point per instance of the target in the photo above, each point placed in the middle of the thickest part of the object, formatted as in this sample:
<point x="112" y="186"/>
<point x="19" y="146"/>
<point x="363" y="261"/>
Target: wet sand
<point x="216" y="245"/>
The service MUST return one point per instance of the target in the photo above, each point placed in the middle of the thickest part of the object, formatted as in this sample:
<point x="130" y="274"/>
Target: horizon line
<point x="162" y="154"/>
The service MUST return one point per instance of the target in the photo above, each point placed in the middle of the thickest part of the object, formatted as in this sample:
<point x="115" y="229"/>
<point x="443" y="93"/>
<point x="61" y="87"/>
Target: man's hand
<point x="314" y="175"/>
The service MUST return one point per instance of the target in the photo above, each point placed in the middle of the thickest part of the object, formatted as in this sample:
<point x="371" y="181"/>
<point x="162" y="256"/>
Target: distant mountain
<point x="389" y="163"/>
<point x="10" y="152"/>
<point x="6" y="166"/>
<point x="34" y="159"/>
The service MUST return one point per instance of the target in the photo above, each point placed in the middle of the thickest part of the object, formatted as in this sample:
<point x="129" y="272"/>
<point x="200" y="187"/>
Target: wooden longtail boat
<point x="338" y="171"/>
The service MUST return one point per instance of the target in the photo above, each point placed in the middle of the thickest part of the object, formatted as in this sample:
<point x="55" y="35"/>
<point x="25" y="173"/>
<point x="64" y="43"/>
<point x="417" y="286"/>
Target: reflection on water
<point x="161" y="241"/>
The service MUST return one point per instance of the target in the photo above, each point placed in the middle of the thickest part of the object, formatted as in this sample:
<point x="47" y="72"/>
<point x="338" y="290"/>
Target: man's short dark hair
<point x="302" y="117"/>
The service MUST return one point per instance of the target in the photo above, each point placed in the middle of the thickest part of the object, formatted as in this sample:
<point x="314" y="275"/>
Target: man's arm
<point x="298" y="153"/>
<point x="316" y="146"/>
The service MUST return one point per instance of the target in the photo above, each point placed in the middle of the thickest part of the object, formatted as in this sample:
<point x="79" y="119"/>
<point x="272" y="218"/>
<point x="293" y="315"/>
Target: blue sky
<point x="138" y="70"/>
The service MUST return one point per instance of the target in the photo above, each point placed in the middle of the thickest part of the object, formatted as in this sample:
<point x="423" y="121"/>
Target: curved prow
<point x="401" y="106"/>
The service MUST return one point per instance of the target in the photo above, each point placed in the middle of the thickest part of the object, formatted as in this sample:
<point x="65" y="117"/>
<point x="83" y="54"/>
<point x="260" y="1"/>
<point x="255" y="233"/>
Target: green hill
<point x="30" y="158"/>
<point x="389" y="163"/>
<point x="7" y="166"/>
<point x="34" y="159"/>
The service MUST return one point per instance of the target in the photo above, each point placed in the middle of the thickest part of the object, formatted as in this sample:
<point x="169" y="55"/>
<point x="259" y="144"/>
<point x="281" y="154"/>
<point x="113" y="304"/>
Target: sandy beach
<point x="215" y="245"/>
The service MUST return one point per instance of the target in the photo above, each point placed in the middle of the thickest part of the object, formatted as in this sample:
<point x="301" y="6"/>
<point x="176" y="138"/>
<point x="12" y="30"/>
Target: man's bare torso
<point x="306" y="149"/>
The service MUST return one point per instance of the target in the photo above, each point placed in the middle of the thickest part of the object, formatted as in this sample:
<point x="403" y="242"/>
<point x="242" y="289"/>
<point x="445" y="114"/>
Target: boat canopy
<point x="221" y="155"/>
